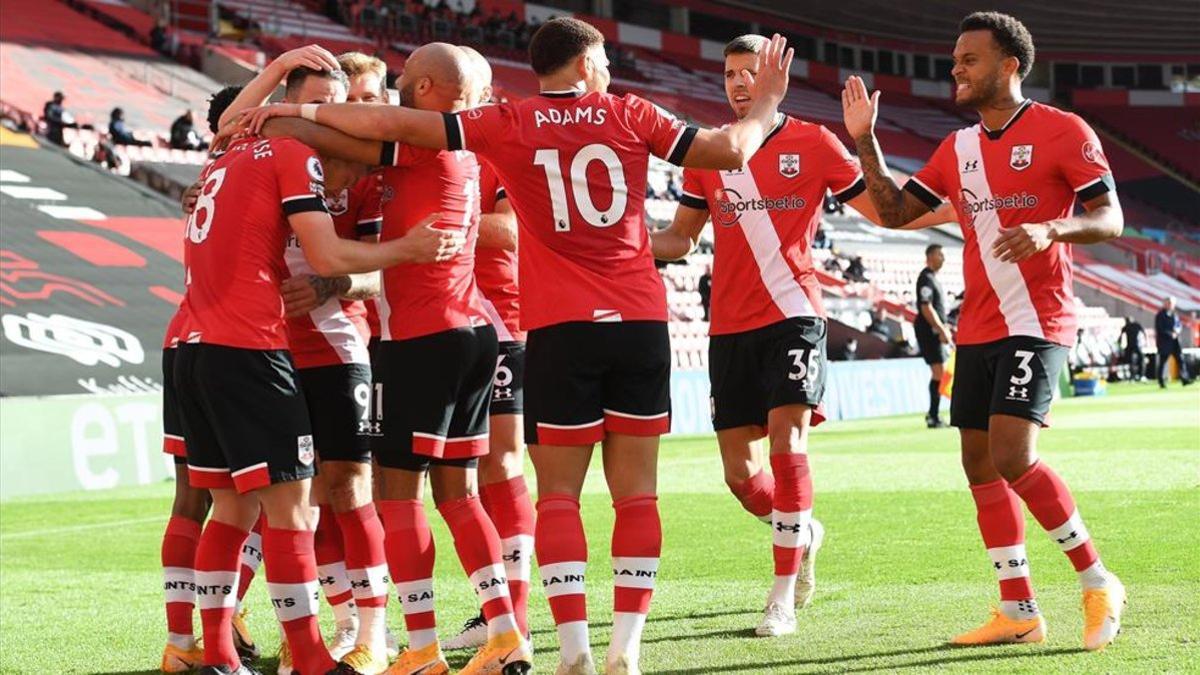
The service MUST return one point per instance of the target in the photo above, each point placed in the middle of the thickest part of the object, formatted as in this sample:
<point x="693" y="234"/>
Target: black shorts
<point x="765" y="368"/>
<point x="433" y="393"/>
<point x="583" y="380"/>
<point x="173" y="443"/>
<point x="373" y="350"/>
<point x="1015" y="376"/>
<point x="244" y="416"/>
<point x="508" y="385"/>
<point x="339" y="399"/>
<point x="931" y="348"/>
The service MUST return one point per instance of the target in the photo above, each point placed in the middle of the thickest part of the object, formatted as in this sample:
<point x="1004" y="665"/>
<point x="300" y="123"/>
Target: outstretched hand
<point x="860" y="109"/>
<point x="774" y="71"/>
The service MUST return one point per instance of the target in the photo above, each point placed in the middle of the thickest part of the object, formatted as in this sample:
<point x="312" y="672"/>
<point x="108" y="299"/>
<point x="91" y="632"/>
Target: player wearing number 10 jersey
<point x="1013" y="180"/>
<point x="573" y="161"/>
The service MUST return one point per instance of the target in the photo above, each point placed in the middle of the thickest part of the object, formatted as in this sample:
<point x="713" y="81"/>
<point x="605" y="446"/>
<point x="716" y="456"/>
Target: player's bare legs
<point x="791" y="516"/>
<point x="188" y="511"/>
<point x="745" y="469"/>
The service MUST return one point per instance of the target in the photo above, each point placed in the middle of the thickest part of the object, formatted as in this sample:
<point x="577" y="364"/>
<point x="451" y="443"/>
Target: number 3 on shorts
<point x="1024" y="373"/>
<point x="805" y="363"/>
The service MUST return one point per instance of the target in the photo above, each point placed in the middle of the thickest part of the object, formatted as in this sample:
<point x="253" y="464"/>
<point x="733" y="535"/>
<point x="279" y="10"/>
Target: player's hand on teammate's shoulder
<point x="313" y="57"/>
<point x="1015" y="244"/>
<point x="860" y="108"/>
<point x="427" y="243"/>
<point x="774" y="69"/>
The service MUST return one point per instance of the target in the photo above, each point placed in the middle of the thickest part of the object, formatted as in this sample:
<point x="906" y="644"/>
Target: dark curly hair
<point x="1012" y="36"/>
<point x="217" y="105"/>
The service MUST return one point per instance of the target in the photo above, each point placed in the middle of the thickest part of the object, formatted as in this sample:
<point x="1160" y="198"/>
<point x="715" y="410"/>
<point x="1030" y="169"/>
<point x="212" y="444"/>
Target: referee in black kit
<point x="931" y="330"/>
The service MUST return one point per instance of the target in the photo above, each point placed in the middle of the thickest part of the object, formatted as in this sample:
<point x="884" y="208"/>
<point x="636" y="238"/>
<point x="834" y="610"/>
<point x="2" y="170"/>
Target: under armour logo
<point x="971" y="166"/>
<point x="504" y="393"/>
<point x="365" y="583"/>
<point x="784" y="527"/>
<point x="1021" y="393"/>
<point x="514" y="557"/>
<point x="1067" y="538"/>
<point x="327" y="581"/>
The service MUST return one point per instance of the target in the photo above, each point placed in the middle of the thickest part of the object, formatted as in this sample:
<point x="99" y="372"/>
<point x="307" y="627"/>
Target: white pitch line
<point x="77" y="528"/>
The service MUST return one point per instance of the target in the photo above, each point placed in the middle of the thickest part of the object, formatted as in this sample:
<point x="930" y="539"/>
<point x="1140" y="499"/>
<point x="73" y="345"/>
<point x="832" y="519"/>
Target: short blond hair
<point x="358" y="63"/>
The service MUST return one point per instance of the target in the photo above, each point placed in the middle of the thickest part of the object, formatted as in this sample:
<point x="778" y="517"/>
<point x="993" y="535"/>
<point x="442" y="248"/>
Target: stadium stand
<point x="91" y="272"/>
<point x="1171" y="134"/>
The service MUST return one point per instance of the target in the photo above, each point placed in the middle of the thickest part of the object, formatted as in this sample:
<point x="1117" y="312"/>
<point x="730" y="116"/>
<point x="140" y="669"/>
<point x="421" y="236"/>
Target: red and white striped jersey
<point x="1031" y="170"/>
<point x="496" y="268"/>
<point x="574" y="166"/>
<point x="426" y="298"/>
<point x="236" y="236"/>
<point x="337" y="331"/>
<point x="764" y="218"/>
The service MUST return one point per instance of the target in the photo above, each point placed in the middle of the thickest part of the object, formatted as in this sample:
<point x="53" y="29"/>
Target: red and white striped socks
<point x="508" y="505"/>
<point x="756" y="494"/>
<point x="791" y="516"/>
<point x="179" y="579"/>
<point x="1050" y="501"/>
<point x="251" y="558"/>
<point x="366" y="565"/>
<point x="216" y="585"/>
<point x="410" y="554"/>
<point x="636" y="547"/>
<point x="293" y="587"/>
<point x="998" y="512"/>
<point x="478" y="547"/>
<point x="331" y="569"/>
<point x="562" y="563"/>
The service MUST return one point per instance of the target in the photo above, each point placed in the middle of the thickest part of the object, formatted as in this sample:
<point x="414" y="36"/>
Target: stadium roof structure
<point x="1097" y="26"/>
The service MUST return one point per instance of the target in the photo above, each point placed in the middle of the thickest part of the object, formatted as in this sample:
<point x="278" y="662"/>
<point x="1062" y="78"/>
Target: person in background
<point x="1134" y="338"/>
<point x="1167" y="327"/>
<point x="184" y="135"/>
<point x="57" y="118"/>
<point x="704" y="288"/>
<point x="856" y="272"/>
<point x="120" y="132"/>
<point x="930" y="326"/>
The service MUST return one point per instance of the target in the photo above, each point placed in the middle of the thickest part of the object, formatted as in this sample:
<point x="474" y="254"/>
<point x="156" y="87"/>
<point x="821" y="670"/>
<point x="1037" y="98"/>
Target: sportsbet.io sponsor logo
<point x="731" y="205"/>
<point x="971" y="205"/>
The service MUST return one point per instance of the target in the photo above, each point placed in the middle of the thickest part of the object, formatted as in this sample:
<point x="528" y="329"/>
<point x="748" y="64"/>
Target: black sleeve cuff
<point x="682" y="146"/>
<point x="928" y="198"/>
<point x="369" y="228"/>
<point x="454" y="138"/>
<point x="303" y="205"/>
<point x="501" y="194"/>
<point x="856" y="188"/>
<point x="693" y="202"/>
<point x="387" y="154"/>
<point x="1099" y="187"/>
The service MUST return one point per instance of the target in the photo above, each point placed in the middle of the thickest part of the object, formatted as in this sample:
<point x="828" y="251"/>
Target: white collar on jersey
<point x="563" y="93"/>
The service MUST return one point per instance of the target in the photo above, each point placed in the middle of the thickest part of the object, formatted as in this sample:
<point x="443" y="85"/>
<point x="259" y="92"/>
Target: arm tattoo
<point x="327" y="287"/>
<point x="895" y="210"/>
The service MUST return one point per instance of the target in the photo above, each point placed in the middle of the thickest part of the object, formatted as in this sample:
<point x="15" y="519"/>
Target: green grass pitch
<point x="902" y="570"/>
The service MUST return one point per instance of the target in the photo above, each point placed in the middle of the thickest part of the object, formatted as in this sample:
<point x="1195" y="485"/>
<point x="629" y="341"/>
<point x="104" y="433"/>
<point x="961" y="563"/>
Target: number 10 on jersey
<point x="549" y="160"/>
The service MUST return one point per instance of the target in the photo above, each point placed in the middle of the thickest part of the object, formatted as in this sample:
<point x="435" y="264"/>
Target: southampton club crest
<point x="789" y="165"/>
<point x="1022" y="157"/>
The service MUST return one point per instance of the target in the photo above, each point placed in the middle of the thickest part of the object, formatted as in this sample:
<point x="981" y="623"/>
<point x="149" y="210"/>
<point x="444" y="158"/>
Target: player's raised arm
<point x="372" y="121"/>
<point x="896" y="208"/>
<point x="1102" y="220"/>
<point x="258" y="90"/>
<point x="732" y="146"/>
